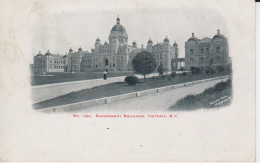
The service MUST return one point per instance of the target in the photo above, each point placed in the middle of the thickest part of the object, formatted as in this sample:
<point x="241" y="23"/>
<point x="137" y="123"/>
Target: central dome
<point x="118" y="28"/>
<point x="118" y="32"/>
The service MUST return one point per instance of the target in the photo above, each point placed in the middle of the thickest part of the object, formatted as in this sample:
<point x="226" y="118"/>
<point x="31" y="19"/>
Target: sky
<point x="79" y="24"/>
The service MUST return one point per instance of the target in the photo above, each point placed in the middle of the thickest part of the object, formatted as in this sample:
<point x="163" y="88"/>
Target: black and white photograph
<point x="127" y="81"/>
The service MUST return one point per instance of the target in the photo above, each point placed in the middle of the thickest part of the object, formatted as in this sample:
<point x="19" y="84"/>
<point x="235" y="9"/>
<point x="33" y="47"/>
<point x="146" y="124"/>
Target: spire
<point x="218" y="32"/>
<point x="118" y="20"/>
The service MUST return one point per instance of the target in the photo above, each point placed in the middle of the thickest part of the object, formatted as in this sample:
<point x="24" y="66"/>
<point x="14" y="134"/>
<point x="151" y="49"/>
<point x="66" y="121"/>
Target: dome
<point x="80" y="49"/>
<point x="134" y="43"/>
<point x="118" y="28"/>
<point x="97" y="40"/>
<point x="166" y="39"/>
<point x="193" y="38"/>
<point x="175" y="44"/>
<point x="218" y="35"/>
<point x="71" y="50"/>
<point x="150" y="41"/>
<point x="118" y="31"/>
<point x="48" y="53"/>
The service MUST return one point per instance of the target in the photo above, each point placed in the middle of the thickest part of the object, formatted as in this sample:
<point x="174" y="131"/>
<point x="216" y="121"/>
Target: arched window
<point x="106" y="62"/>
<point x="218" y="49"/>
<point x="201" y="51"/>
<point x="191" y="51"/>
<point x="201" y="60"/>
<point x="207" y="50"/>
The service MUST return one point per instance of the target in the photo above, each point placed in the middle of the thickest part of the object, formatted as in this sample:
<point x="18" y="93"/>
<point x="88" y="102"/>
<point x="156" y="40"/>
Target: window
<point x="207" y="50"/>
<point x="218" y="49"/>
<point x="202" y="51"/>
<point x="160" y="56"/>
<point x="191" y="51"/>
<point x="201" y="60"/>
<point x="191" y="60"/>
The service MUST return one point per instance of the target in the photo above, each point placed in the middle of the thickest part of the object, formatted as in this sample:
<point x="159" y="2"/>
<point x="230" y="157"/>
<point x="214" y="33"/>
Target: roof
<point x="205" y="40"/>
<point x="118" y="28"/>
<point x="218" y="36"/>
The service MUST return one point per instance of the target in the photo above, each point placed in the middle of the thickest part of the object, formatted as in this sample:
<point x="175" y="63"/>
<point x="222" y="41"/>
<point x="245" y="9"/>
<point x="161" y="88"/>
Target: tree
<point x="144" y="63"/>
<point x="161" y="70"/>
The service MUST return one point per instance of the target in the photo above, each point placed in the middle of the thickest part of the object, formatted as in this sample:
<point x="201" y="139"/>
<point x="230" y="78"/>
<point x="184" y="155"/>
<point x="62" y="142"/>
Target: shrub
<point x="161" y="70"/>
<point x="221" y="68"/>
<point x="173" y="74"/>
<point x="184" y="73"/>
<point x="131" y="80"/>
<point x="169" y="78"/>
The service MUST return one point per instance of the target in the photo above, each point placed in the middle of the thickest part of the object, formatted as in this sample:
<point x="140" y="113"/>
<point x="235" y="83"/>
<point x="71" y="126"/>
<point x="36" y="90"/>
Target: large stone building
<point x="206" y="52"/>
<point x="116" y="54"/>
<point x="49" y="62"/>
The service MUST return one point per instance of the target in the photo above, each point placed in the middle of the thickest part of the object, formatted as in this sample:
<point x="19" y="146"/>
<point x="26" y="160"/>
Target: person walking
<point x="105" y="75"/>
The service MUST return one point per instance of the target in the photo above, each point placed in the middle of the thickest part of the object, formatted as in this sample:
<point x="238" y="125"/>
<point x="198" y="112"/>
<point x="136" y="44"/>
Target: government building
<point x="206" y="52"/>
<point x="115" y="55"/>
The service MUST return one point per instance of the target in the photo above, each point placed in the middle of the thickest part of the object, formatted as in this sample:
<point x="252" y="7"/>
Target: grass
<point x="60" y="77"/>
<point x="120" y="88"/>
<point x="193" y="102"/>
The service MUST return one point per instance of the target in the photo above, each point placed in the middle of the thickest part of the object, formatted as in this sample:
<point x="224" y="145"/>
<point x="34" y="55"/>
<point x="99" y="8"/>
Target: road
<point x="48" y="91"/>
<point x="151" y="103"/>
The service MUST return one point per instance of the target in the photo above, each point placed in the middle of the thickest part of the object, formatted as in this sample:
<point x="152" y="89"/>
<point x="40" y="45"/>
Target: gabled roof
<point x="205" y="40"/>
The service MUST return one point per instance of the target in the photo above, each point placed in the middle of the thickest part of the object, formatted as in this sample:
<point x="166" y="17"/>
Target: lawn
<point x="60" y="77"/>
<point x="207" y="99"/>
<point x="121" y="88"/>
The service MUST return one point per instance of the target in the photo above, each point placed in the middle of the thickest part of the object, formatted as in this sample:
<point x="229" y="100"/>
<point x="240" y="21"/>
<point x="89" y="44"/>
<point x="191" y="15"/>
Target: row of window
<point x="202" y="51"/>
<point x="51" y="66"/>
<point x="55" y="61"/>
<point x="202" y="60"/>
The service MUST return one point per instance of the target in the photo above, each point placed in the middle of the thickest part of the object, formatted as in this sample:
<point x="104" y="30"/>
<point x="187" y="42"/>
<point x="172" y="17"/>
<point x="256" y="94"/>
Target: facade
<point x="49" y="62"/>
<point x="115" y="54"/>
<point x="206" y="52"/>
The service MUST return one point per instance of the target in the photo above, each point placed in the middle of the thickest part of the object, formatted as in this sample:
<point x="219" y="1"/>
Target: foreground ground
<point x="152" y="103"/>
<point x="119" y="88"/>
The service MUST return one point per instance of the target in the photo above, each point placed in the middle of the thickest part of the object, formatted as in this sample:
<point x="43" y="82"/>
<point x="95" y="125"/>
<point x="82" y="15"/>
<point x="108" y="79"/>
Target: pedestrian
<point x="105" y="75"/>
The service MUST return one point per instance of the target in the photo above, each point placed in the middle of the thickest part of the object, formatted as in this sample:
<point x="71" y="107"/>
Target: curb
<point x="113" y="99"/>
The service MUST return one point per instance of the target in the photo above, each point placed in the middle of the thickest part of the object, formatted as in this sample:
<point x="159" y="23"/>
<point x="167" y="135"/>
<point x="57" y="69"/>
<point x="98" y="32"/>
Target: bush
<point x="173" y="74"/>
<point x="131" y="80"/>
<point x="221" y="68"/>
<point x="184" y="73"/>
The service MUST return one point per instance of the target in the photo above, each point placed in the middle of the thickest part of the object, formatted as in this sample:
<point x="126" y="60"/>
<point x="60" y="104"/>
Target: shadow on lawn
<point x="212" y="98"/>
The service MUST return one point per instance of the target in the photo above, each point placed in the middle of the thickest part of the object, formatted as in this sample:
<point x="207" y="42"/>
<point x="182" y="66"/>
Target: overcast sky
<point x="64" y="27"/>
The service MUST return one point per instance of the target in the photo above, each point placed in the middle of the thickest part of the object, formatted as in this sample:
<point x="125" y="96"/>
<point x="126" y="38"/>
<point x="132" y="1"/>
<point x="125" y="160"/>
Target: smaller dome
<point x="105" y="43"/>
<point x="166" y="39"/>
<point x="134" y="43"/>
<point x="97" y="40"/>
<point x="48" y="53"/>
<point x="71" y="50"/>
<point x="218" y="35"/>
<point x="175" y="44"/>
<point x="150" y="41"/>
<point x="65" y="56"/>
<point x="193" y="38"/>
<point x="80" y="49"/>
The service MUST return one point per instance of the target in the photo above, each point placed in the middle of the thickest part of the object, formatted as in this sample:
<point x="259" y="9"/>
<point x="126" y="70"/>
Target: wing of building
<point x="206" y="52"/>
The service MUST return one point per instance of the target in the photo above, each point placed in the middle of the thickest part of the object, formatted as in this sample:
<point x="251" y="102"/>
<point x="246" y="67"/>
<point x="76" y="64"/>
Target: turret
<point x="149" y="45"/>
<point x="70" y="51"/>
<point x="80" y="49"/>
<point x="134" y="44"/>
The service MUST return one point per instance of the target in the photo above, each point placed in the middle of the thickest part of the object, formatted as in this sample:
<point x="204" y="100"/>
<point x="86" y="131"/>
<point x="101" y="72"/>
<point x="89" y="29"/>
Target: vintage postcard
<point x="127" y="81"/>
